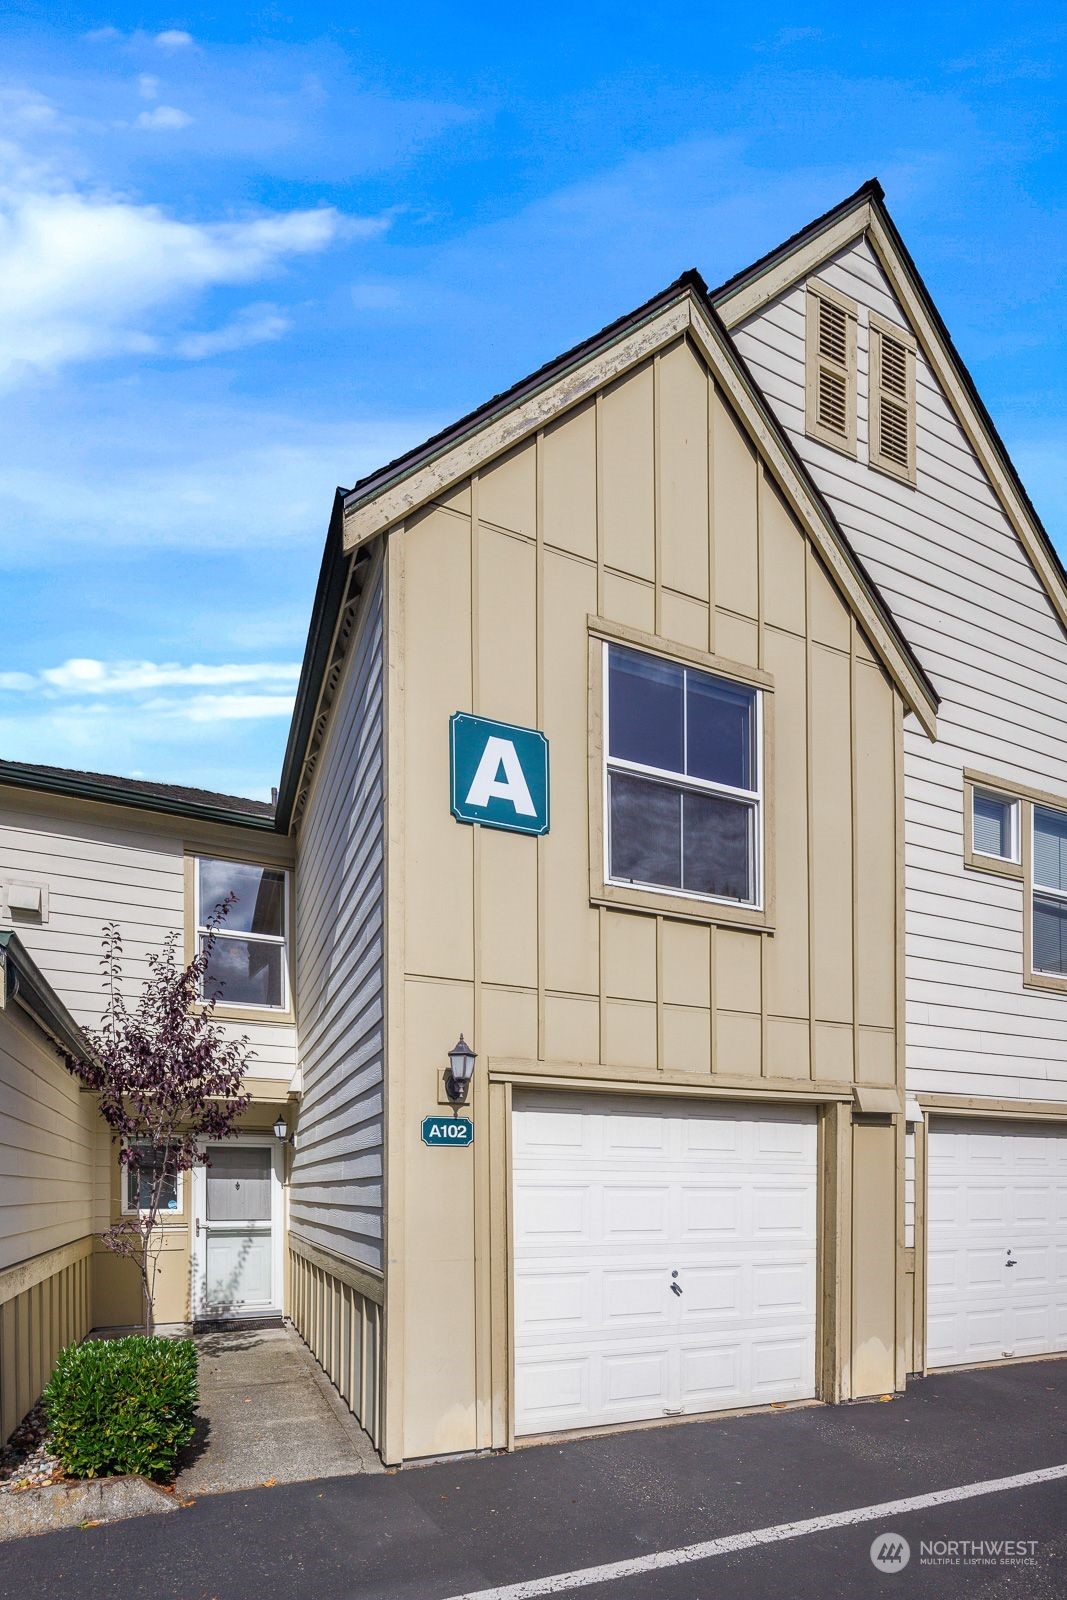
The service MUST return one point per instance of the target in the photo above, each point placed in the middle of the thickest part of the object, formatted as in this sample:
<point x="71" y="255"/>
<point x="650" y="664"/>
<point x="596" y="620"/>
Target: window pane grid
<point x="261" y="983"/>
<point x="674" y="829"/>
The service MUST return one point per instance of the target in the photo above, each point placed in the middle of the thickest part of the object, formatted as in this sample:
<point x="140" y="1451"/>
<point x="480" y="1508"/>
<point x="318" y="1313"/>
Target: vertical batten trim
<point x="809" y="803"/>
<point x="481" y="1287"/>
<point x="657" y="496"/>
<point x="539" y="691"/>
<point x="713" y="401"/>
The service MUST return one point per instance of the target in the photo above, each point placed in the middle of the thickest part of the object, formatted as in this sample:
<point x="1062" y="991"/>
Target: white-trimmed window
<point x="248" y="965"/>
<point x="892" y="399"/>
<point x="994" y="825"/>
<point x="831" y="367"/>
<point x="139" y="1181"/>
<point x="1049" y="898"/>
<point x="683" y="779"/>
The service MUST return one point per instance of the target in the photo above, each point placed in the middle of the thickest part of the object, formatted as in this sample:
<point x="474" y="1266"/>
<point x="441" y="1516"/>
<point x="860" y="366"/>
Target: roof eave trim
<point x="380" y="503"/>
<point x="24" y="982"/>
<point x="16" y="776"/>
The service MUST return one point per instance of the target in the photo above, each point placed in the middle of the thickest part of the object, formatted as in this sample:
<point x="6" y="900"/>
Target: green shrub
<point x="122" y="1405"/>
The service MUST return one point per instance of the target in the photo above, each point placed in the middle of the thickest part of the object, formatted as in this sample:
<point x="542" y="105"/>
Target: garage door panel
<point x="997" y="1255"/>
<point x="779" y="1367"/>
<point x="785" y="1211"/>
<point x="633" y="1295"/>
<point x="710" y="1210"/>
<point x="722" y="1197"/>
<point x="711" y="1375"/>
<point x="635" y="1214"/>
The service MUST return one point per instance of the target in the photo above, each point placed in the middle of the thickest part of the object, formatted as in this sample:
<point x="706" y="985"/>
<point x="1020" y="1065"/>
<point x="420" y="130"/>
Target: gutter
<point x="13" y="774"/>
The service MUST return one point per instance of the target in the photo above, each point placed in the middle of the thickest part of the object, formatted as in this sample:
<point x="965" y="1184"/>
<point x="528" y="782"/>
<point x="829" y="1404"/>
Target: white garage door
<point x="997" y="1270"/>
<point x="664" y="1259"/>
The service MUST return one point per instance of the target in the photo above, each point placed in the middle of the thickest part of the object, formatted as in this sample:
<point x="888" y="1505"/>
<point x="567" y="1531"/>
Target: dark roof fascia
<point x="26" y="983"/>
<point x="90" y="787"/>
<point x="823" y="506"/>
<point x="963" y="373"/>
<point x="329" y="593"/>
<point x="870" y="192"/>
<point x="371" y="487"/>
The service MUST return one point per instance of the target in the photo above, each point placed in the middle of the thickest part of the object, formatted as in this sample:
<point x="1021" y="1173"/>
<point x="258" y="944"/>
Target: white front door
<point x="664" y="1258"/>
<point x="237" y="1233"/>
<point x="997" y="1240"/>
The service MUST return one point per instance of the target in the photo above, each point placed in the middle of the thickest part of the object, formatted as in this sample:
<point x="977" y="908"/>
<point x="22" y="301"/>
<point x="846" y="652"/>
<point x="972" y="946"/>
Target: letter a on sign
<point x="499" y="774"/>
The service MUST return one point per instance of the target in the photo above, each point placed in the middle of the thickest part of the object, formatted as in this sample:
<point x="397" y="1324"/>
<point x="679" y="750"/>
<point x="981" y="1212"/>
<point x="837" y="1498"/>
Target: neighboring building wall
<point x="335" y="1202"/>
<point x="102" y="863"/>
<point x="646" y="508"/>
<point x="49" y="1143"/>
<point x="956" y="578"/>
<point x="97" y="863"/>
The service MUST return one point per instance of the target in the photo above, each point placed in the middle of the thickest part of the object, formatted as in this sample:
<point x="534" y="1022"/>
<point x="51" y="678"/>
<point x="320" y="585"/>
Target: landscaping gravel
<point x="26" y="1461"/>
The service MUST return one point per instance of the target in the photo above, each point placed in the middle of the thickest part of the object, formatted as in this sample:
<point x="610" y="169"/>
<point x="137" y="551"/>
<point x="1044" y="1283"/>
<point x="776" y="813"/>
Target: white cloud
<point x="161" y="117"/>
<point x="85" y="675"/>
<point x="85" y="275"/>
<point x="222" y="707"/>
<point x="173" y="39"/>
<point x="148" y="87"/>
<point x="254" y="325"/>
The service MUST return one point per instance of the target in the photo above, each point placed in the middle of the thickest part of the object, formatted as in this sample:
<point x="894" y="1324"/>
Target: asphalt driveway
<point x="503" y="1527"/>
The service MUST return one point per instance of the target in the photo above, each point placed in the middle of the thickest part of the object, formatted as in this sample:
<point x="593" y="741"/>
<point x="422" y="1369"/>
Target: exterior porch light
<point x="281" y="1127"/>
<point x="458" y="1073"/>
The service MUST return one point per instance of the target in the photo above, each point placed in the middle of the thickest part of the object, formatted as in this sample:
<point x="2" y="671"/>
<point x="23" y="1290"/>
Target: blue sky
<point x="248" y="255"/>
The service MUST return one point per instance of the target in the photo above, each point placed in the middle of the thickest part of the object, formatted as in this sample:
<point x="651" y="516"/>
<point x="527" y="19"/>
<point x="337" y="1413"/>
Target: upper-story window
<point x="248" y="963"/>
<point x="831" y="367"/>
<point x="994" y="825"/>
<point x="683" y="776"/>
<point x="892" y="399"/>
<point x="1049" y="937"/>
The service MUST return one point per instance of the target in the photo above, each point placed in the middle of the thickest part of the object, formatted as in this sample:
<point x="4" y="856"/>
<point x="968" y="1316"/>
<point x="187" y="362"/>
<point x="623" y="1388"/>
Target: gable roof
<point x="171" y="798"/>
<point x="684" y="308"/>
<point x="865" y="214"/>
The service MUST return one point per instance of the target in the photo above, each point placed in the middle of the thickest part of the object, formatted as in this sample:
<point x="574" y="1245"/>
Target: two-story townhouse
<point x="614" y="588"/>
<point x="842" y="336"/>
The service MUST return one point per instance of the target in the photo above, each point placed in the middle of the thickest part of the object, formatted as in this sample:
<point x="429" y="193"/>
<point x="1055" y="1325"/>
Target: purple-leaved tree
<point x="169" y="1080"/>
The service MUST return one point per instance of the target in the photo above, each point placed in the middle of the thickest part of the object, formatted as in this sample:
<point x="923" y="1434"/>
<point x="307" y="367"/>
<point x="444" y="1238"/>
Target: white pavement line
<point x="614" y="1570"/>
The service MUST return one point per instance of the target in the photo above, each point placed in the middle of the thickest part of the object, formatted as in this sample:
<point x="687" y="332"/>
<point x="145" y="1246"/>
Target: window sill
<point x="682" y="908"/>
<point x="1046" y="981"/>
<point x="844" y="447"/>
<point x="269" y="1014"/>
<point x="994" y="866"/>
<point x="889" y="471"/>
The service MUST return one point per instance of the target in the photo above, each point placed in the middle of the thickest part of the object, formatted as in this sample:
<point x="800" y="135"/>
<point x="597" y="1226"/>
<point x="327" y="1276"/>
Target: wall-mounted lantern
<point x="281" y="1127"/>
<point x="458" y="1073"/>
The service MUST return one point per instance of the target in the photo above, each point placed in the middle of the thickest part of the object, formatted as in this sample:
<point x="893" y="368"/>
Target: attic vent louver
<point x="831" y="367"/>
<point x="892" y="400"/>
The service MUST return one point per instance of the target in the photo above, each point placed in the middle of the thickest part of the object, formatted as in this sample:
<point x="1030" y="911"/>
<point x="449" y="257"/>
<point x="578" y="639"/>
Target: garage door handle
<point x="1011" y="1263"/>
<point x="676" y="1288"/>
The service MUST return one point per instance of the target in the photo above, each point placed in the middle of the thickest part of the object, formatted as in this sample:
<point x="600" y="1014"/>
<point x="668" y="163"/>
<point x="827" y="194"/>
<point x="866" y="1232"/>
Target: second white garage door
<point x="997" y="1253"/>
<point x="664" y="1258"/>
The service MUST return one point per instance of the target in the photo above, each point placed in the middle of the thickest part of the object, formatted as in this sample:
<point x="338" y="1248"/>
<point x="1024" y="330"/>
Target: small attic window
<point x="831" y="367"/>
<point x="892" y="442"/>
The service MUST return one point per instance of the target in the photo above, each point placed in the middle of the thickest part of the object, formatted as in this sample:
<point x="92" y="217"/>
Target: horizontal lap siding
<point x="48" y="1135"/>
<point x="96" y="873"/>
<point x="963" y="590"/>
<point x="336" y="1188"/>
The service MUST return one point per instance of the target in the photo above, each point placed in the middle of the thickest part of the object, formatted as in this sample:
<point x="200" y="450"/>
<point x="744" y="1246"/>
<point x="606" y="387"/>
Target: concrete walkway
<point x="269" y="1415"/>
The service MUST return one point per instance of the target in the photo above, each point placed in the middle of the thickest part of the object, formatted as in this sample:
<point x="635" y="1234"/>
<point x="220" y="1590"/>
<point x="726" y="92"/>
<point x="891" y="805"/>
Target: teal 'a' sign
<point x="499" y="774"/>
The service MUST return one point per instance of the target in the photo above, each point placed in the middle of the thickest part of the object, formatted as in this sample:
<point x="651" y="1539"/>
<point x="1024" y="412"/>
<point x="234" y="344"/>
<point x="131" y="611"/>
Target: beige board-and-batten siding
<point x="49" y="1137"/>
<point x="644" y="509"/>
